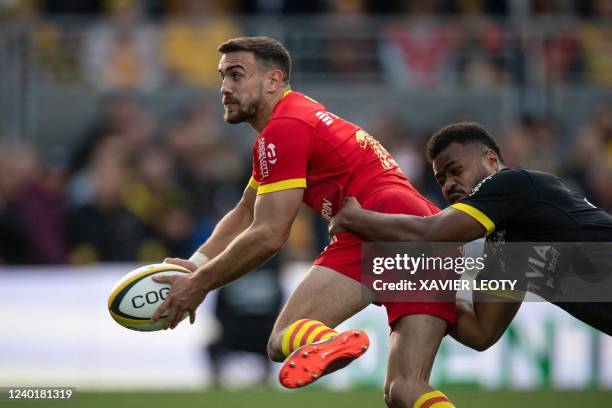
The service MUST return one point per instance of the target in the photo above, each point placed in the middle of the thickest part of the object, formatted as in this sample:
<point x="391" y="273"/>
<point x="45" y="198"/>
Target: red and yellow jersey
<point x="305" y="146"/>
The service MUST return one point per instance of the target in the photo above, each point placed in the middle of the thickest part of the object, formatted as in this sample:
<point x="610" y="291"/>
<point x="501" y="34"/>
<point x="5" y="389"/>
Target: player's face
<point x="241" y="86"/>
<point x="458" y="169"/>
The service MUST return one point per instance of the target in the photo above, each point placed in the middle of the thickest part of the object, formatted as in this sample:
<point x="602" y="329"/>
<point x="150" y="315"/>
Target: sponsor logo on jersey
<point x="324" y="117"/>
<point x="271" y="153"/>
<point x="484" y="180"/>
<point x="327" y="210"/>
<point x="263" y="163"/>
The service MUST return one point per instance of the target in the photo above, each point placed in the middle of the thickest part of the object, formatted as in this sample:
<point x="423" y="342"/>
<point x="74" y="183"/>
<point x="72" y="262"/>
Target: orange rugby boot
<point x="312" y="361"/>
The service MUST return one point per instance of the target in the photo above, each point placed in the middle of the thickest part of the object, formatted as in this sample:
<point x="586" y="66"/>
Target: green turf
<point x="268" y="398"/>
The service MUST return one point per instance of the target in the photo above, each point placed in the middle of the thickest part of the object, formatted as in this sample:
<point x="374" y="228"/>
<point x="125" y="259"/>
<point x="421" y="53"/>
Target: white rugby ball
<point x="136" y="296"/>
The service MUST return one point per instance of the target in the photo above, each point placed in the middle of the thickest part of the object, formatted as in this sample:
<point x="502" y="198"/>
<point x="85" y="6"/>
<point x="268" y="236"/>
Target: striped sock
<point x="304" y="331"/>
<point x="433" y="399"/>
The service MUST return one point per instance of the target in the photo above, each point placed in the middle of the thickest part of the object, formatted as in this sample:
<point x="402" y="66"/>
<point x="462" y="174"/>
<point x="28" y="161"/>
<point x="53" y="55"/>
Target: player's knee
<point x="274" y="348"/>
<point x="403" y="392"/>
<point x="484" y="343"/>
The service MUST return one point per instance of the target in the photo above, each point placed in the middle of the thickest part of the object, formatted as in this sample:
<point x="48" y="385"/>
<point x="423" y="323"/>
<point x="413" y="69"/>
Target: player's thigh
<point x="414" y="342"/>
<point x="324" y="295"/>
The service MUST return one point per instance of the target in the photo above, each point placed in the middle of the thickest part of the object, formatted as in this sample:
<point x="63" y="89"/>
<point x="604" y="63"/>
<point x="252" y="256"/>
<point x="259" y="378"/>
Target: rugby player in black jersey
<point x="500" y="203"/>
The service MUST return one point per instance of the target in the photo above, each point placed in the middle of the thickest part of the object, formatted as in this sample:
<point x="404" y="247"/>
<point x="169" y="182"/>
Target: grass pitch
<point x="309" y="398"/>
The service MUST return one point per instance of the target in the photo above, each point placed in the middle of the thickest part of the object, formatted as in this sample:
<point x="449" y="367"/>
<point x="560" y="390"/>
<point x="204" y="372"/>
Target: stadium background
<point x="113" y="153"/>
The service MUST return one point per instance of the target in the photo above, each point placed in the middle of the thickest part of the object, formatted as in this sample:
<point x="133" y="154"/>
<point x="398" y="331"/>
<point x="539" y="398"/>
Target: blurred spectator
<point x="281" y="6"/>
<point x="121" y="115"/>
<point x="351" y="48"/>
<point x="17" y="169"/>
<point x="402" y="144"/>
<point x="156" y="199"/>
<point x="532" y="143"/>
<point x="33" y="208"/>
<point x="51" y="48"/>
<point x="489" y="7"/>
<point x="480" y="49"/>
<point x="209" y="167"/>
<point x="590" y="161"/>
<point x="43" y="209"/>
<point x="122" y="50"/>
<point x="104" y="230"/>
<point x="594" y="138"/>
<point x="596" y="42"/>
<point x="417" y="53"/>
<point x="189" y="41"/>
<point x="562" y="56"/>
<point x="62" y="7"/>
<point x="542" y="8"/>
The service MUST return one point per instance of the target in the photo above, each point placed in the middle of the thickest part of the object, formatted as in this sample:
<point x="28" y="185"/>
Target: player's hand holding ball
<point x="184" y="297"/>
<point x="185" y="263"/>
<point x="137" y="295"/>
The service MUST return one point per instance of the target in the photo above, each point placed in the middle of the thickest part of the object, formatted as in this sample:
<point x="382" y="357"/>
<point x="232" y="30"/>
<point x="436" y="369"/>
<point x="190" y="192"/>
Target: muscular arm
<point x="232" y="224"/>
<point x="272" y="218"/>
<point x="449" y="225"/>
<point x="480" y="326"/>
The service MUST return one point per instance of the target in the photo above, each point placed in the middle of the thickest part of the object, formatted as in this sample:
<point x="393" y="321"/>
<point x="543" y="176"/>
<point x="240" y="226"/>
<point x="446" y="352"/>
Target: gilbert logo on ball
<point x="136" y="296"/>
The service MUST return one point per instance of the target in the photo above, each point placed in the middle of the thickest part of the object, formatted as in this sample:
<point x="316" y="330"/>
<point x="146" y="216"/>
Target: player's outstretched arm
<point x="480" y="325"/>
<point x="231" y="225"/>
<point x="274" y="214"/>
<point x="228" y="228"/>
<point x="449" y="225"/>
<point x="272" y="219"/>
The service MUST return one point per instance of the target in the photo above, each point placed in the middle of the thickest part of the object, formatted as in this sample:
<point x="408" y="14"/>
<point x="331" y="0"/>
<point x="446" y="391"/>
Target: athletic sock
<point x="433" y="399"/>
<point x="305" y="331"/>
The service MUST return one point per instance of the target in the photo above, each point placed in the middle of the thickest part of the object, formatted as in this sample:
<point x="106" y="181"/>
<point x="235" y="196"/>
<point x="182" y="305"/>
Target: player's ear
<point x="492" y="158"/>
<point x="276" y="80"/>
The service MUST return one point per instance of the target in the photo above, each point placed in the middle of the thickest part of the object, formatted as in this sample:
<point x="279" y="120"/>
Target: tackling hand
<point x="338" y="223"/>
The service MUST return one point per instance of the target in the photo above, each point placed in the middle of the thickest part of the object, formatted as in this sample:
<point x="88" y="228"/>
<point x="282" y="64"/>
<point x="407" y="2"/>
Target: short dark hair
<point x="268" y="51"/>
<point x="462" y="133"/>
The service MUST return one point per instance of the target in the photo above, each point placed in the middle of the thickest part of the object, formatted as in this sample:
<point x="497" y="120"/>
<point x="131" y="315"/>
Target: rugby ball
<point x="136" y="296"/>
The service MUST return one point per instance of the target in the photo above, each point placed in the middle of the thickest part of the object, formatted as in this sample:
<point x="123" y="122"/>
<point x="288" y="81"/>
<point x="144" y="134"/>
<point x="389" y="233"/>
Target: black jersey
<point x="563" y="256"/>
<point x="519" y="205"/>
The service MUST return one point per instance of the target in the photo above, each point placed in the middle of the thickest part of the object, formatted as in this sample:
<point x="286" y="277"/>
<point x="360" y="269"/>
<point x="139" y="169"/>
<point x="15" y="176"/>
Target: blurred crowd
<point x="128" y="191"/>
<point x="139" y="185"/>
<point x="413" y="44"/>
<point x="136" y="189"/>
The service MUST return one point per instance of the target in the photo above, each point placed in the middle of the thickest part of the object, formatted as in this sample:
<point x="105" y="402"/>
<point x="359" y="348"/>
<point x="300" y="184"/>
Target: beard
<point x="242" y="115"/>
<point x="237" y="117"/>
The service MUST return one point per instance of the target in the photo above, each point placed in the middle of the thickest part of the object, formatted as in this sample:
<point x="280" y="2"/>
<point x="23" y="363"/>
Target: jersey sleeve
<point x="280" y="156"/>
<point x="497" y="198"/>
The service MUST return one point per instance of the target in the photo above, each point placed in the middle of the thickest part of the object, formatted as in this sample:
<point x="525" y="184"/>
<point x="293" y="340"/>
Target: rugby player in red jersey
<point x="303" y="153"/>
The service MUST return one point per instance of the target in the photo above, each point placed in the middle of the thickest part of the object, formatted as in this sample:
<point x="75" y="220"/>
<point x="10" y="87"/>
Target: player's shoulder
<point x="298" y="106"/>
<point x="506" y="178"/>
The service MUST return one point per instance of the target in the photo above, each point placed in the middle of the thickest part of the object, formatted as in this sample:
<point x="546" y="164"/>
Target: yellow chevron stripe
<point x="427" y="396"/>
<point x="298" y="337"/>
<point x="287" y="337"/>
<point x="315" y="332"/>
<point x="329" y="335"/>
